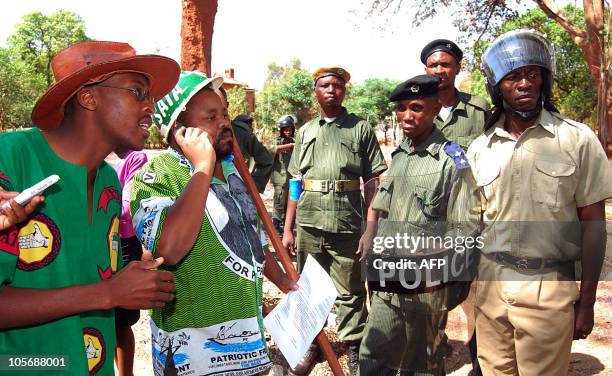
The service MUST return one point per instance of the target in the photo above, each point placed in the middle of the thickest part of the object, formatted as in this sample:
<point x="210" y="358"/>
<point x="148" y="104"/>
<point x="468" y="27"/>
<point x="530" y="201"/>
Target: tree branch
<point x="551" y="10"/>
<point x="486" y="26"/>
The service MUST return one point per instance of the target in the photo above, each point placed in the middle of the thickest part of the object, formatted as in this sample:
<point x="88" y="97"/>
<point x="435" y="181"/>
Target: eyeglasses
<point x="140" y="94"/>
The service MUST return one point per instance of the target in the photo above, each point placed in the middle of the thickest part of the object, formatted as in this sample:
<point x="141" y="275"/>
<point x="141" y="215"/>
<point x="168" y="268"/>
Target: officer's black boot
<point x="353" y="357"/>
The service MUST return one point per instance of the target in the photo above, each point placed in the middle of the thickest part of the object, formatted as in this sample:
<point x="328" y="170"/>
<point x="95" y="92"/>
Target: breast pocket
<point x="306" y="160"/>
<point x="553" y="183"/>
<point x="349" y="151"/>
<point x="487" y="181"/>
<point x="432" y="204"/>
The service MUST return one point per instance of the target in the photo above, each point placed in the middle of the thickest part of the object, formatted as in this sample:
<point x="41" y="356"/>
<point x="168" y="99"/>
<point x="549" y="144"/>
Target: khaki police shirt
<point x="466" y="120"/>
<point x="344" y="149"/>
<point x="255" y="154"/>
<point x="530" y="187"/>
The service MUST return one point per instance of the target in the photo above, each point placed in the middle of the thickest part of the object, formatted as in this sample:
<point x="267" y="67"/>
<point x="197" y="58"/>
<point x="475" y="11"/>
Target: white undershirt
<point x="329" y="120"/>
<point x="444" y="112"/>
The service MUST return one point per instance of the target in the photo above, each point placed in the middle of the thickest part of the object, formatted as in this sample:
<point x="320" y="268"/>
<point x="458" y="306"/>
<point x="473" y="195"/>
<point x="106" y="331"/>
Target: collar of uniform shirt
<point x="545" y="120"/>
<point x="432" y="144"/>
<point x="339" y="121"/>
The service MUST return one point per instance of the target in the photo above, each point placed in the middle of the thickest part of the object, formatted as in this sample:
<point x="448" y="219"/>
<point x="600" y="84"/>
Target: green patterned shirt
<point x="216" y="315"/>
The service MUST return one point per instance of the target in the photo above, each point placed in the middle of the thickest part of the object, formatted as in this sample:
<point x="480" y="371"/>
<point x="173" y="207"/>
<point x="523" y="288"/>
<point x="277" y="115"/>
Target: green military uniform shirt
<point x="343" y="149"/>
<point x="255" y="154"/>
<point x="279" y="175"/>
<point x="466" y="120"/>
<point x="424" y="187"/>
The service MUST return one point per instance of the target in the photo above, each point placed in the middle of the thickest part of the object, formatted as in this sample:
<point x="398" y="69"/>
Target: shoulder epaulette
<point x="457" y="155"/>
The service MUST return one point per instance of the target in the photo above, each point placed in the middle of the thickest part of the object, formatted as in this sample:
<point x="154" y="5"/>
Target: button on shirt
<point x="530" y="187"/>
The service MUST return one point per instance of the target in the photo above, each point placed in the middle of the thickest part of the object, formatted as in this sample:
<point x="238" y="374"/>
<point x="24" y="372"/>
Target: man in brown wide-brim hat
<point x="59" y="272"/>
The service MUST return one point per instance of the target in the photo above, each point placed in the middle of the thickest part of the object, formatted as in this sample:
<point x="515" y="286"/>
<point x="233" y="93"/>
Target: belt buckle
<point x="522" y="263"/>
<point x="339" y="186"/>
<point x="323" y="186"/>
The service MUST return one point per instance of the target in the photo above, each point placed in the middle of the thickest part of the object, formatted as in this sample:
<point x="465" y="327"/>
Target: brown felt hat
<point x="91" y="62"/>
<point x="331" y="71"/>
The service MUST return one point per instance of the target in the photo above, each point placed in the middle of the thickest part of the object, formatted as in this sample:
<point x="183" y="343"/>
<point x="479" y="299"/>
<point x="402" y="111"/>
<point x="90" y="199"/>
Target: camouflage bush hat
<point x="169" y="107"/>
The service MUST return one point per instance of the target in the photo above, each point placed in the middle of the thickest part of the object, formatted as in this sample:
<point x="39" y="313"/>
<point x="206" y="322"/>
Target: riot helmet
<point x="513" y="50"/>
<point x="286" y="121"/>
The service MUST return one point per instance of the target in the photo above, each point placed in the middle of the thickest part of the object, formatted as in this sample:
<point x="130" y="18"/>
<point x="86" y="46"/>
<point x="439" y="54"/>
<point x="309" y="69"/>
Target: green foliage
<point x="288" y="90"/>
<point x="371" y="99"/>
<point x="574" y="89"/>
<point x="39" y="37"/>
<point x="19" y="90"/>
<point x="25" y="66"/>
<point x="237" y="102"/>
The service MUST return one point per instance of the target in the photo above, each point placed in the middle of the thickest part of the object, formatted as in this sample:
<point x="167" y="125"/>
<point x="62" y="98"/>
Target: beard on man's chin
<point x="223" y="147"/>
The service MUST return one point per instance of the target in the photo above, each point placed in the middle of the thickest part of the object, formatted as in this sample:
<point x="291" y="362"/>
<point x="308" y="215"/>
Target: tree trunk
<point x="196" y="34"/>
<point x="608" y="128"/>
<point x="592" y="42"/>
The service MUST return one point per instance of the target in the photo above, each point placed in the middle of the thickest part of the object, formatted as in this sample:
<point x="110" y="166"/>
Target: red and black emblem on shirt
<point x="108" y="194"/>
<point x="39" y="242"/>
<point x="4" y="181"/>
<point x="95" y="349"/>
<point x="9" y="242"/>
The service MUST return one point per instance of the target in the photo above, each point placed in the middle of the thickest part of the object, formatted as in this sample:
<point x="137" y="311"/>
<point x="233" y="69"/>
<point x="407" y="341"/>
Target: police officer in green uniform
<point x="428" y="184"/>
<point x="461" y="119"/>
<point x="462" y="115"/>
<point x="282" y="150"/>
<point x="255" y="153"/>
<point x="332" y="153"/>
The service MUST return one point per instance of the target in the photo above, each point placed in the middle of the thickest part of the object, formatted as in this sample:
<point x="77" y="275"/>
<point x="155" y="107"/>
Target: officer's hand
<point x="140" y="286"/>
<point x="289" y="241"/>
<point x="15" y="213"/>
<point x="197" y="145"/>
<point x="365" y="244"/>
<point x="584" y="318"/>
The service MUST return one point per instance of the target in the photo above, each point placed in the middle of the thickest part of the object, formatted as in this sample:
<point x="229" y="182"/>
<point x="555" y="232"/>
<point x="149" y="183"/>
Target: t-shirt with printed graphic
<point x="214" y="324"/>
<point x="58" y="247"/>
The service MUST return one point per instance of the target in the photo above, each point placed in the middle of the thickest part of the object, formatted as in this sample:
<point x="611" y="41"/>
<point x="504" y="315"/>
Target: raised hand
<point x="197" y="145"/>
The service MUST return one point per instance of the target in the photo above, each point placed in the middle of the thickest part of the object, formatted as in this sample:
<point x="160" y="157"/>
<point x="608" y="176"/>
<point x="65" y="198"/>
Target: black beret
<point x="441" y="45"/>
<point x="417" y="87"/>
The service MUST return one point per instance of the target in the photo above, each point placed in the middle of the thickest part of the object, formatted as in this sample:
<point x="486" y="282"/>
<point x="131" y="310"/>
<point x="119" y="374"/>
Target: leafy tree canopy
<point x="370" y="100"/>
<point x="288" y="90"/>
<point x="25" y="65"/>
<point x="574" y="89"/>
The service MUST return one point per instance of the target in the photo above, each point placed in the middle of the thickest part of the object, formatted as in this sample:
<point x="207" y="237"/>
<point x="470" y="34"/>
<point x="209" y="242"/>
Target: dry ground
<point x="592" y="356"/>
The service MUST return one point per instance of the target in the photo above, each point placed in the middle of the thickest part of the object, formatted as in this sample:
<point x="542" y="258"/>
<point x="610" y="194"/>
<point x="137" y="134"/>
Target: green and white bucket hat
<point x="169" y="107"/>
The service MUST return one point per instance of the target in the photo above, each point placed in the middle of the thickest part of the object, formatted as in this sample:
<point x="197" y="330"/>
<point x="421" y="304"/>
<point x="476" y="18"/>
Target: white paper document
<point x="299" y="317"/>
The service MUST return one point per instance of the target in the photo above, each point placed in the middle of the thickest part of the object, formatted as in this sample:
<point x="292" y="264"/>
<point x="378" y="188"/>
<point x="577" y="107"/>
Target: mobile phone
<point x="24" y="197"/>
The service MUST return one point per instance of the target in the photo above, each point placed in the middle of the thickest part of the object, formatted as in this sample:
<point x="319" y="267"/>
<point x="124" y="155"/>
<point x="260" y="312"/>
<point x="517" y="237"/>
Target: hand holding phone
<point x="28" y="194"/>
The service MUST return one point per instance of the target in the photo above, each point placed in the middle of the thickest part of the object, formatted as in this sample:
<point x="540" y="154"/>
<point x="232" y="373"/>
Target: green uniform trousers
<point x="335" y="252"/>
<point x="281" y="193"/>
<point x="403" y="333"/>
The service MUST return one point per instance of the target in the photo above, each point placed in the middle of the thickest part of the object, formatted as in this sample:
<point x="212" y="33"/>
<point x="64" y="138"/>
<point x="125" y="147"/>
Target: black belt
<point x="524" y="263"/>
